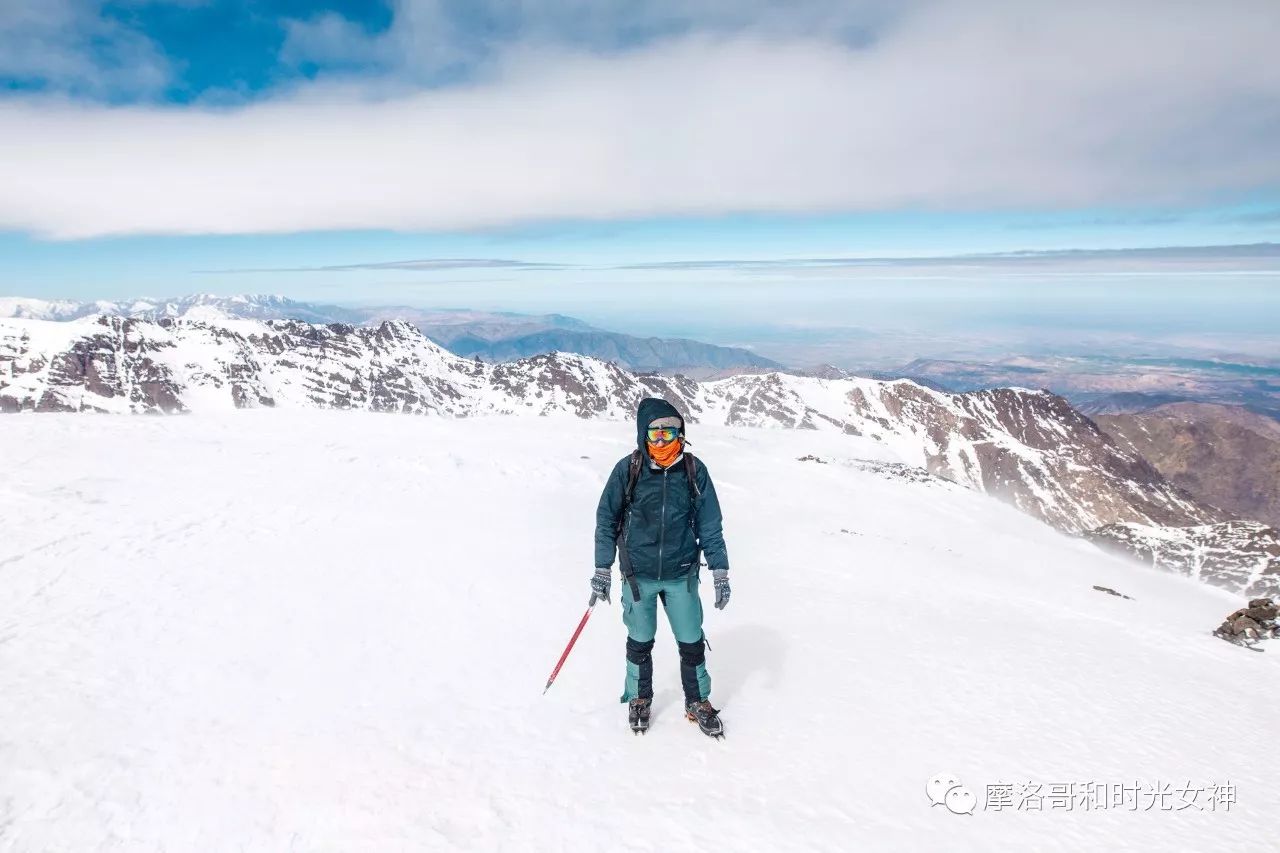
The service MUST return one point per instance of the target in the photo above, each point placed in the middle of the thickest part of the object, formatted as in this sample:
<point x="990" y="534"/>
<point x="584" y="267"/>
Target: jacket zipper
<point x="662" y="523"/>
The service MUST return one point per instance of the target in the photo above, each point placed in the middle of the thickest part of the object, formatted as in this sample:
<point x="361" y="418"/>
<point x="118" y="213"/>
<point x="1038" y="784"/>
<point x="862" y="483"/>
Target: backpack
<point x="633" y="474"/>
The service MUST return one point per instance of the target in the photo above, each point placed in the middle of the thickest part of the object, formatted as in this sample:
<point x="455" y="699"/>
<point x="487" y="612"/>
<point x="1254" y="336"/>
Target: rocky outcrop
<point x="1109" y="591"/>
<point x="1250" y="624"/>
<point x="1242" y="556"/>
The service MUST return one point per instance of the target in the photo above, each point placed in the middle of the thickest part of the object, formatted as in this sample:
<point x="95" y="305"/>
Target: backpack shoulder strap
<point x="624" y="560"/>
<point x="691" y="471"/>
<point x="695" y="494"/>
<point x="633" y="474"/>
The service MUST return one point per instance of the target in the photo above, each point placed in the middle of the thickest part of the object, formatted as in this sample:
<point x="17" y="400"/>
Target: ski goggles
<point x="657" y="434"/>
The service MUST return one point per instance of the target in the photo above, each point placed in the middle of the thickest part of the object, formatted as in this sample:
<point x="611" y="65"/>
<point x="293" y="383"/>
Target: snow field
<point x="316" y="630"/>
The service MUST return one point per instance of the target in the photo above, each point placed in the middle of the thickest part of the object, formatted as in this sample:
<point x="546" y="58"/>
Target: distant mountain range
<point x="1029" y="448"/>
<point x="490" y="336"/>
<point x="198" y="306"/>
<point x="666" y="355"/>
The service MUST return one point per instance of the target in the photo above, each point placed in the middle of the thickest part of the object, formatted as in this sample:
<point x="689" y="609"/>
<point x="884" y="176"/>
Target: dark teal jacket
<point x="658" y="531"/>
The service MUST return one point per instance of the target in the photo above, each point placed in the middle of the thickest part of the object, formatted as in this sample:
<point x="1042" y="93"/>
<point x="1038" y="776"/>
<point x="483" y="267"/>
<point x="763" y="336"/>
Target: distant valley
<point x="1110" y="384"/>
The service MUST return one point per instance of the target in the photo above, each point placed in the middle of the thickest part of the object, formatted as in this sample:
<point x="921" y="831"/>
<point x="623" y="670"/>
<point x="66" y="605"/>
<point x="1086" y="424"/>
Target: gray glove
<point x="600" y="583"/>
<point x="722" y="587"/>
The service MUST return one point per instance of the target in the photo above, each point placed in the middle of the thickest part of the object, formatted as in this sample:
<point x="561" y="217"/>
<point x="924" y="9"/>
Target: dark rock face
<point x="1242" y="556"/>
<point x="1225" y="456"/>
<point x="114" y="366"/>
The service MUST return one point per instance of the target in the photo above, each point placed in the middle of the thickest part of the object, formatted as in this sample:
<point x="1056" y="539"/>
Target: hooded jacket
<point x="658" y="530"/>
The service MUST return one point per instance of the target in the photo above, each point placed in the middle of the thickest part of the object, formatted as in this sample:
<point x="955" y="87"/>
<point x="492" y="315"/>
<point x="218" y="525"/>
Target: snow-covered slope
<point x="316" y="630"/>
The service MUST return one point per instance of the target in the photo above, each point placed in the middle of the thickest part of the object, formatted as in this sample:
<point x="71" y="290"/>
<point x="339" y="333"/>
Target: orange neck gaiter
<point x="665" y="454"/>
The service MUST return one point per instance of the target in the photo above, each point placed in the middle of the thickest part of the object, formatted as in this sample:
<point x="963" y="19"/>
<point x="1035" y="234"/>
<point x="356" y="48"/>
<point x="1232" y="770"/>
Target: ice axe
<point x="585" y="616"/>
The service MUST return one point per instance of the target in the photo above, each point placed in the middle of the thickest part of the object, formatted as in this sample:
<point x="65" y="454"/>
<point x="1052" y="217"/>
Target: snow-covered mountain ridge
<point x="1029" y="448"/>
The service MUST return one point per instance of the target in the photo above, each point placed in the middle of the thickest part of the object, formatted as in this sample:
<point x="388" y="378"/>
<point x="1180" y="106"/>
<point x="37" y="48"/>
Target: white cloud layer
<point x="956" y="106"/>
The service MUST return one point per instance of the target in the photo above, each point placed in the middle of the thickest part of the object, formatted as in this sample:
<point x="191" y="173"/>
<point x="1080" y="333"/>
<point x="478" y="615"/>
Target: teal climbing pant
<point x="680" y="600"/>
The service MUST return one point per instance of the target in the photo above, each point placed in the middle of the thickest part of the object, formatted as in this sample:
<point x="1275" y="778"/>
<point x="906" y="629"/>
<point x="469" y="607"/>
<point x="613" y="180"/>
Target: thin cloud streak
<point x="1250" y="259"/>
<point x="1256" y="217"/>
<point x="1264" y="254"/>
<point x="419" y="265"/>
<point x="1039" y="224"/>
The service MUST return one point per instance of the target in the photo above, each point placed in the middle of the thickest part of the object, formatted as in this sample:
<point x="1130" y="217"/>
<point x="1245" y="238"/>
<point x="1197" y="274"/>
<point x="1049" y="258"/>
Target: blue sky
<point x="225" y="51"/>
<point x="576" y="153"/>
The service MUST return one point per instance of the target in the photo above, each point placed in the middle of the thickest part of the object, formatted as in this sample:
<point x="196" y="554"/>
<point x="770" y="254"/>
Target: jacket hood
<point x="649" y="410"/>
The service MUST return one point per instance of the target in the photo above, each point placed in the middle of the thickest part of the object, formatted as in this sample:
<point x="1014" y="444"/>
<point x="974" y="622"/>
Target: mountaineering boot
<point x="707" y="718"/>
<point x="638" y="715"/>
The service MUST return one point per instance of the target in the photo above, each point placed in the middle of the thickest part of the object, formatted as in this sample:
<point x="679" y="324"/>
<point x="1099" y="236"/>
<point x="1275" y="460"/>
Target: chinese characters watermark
<point x="1090" y="795"/>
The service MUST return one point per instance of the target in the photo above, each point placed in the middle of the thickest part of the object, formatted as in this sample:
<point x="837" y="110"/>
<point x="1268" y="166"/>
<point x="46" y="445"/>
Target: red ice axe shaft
<point x="572" y="640"/>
